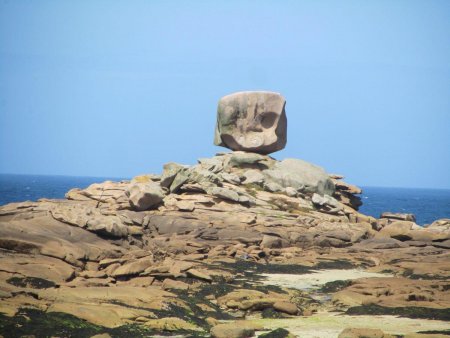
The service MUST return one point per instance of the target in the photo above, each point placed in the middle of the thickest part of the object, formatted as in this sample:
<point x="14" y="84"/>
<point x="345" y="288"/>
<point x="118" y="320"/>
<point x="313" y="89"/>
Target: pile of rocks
<point x="172" y="252"/>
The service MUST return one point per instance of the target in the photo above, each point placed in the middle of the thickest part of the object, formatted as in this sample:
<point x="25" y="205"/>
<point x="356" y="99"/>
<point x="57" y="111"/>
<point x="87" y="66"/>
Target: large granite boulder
<point x="251" y="121"/>
<point x="300" y="175"/>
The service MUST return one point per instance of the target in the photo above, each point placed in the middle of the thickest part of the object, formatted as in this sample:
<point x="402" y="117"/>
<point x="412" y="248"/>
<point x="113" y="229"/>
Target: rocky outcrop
<point x="179" y="252"/>
<point x="346" y="193"/>
<point x="251" y="121"/>
<point x="215" y="226"/>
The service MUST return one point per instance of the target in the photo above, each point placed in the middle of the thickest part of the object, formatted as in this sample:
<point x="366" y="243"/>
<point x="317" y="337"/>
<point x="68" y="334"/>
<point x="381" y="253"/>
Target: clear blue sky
<point x="118" y="88"/>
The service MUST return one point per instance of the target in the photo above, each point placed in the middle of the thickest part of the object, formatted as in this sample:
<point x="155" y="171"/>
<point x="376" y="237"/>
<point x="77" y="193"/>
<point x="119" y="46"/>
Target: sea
<point x="427" y="205"/>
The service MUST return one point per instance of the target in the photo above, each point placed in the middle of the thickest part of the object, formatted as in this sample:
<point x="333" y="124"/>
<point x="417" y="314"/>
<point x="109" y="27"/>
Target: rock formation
<point x="181" y="251"/>
<point x="251" y="121"/>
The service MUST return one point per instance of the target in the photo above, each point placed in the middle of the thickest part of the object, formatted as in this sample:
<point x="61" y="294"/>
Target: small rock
<point x="233" y="330"/>
<point x="170" y="284"/>
<point x="286" y="307"/>
<point x="271" y="242"/>
<point x="253" y="176"/>
<point x="230" y="178"/>
<point x="132" y="268"/>
<point x="144" y="196"/>
<point x="291" y="192"/>
<point x="185" y="206"/>
<point x="212" y="321"/>
<point x="169" y="172"/>
<point x="363" y="333"/>
<point x="199" y="275"/>
<point x="170" y="324"/>
<point x="224" y="193"/>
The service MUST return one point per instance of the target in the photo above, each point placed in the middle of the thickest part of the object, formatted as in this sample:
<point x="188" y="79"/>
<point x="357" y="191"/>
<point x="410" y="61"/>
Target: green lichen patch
<point x="216" y="290"/>
<point x="39" y="324"/>
<point x="335" y="286"/>
<point x="411" y="275"/>
<point x="409" y="312"/>
<point x="31" y="282"/>
<point x="338" y="264"/>
<point x="444" y="332"/>
<point x="196" y="302"/>
<point x="277" y="333"/>
<point x="271" y="313"/>
<point x="251" y="268"/>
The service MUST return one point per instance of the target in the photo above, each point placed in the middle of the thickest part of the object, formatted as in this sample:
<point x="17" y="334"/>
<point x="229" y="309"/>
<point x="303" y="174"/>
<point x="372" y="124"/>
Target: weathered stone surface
<point x="170" y="324"/>
<point x="300" y="175"/>
<point x="224" y="193"/>
<point x="246" y="160"/>
<point x="286" y="307"/>
<point x="394" y="292"/>
<point x="326" y="203"/>
<point x="199" y="274"/>
<point x="251" y="121"/>
<point x="239" y="329"/>
<point x="133" y="268"/>
<point x="170" y="284"/>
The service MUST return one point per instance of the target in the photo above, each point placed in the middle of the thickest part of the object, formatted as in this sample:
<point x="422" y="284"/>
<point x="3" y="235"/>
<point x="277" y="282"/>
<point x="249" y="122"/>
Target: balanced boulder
<point x="251" y="121"/>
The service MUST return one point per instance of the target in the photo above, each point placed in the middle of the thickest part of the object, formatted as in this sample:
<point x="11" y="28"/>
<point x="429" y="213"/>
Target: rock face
<point x="251" y="121"/>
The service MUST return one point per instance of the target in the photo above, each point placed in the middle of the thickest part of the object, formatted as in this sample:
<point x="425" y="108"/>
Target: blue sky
<point x="118" y="88"/>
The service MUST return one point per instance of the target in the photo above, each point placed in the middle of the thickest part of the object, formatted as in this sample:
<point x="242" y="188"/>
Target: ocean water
<point x="427" y="204"/>
<point x="18" y="188"/>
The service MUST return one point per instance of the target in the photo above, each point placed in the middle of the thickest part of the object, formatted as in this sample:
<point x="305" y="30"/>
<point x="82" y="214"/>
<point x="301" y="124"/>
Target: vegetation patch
<point x="39" y="324"/>
<point x="444" y="332"/>
<point x="409" y="312"/>
<point x="335" y="286"/>
<point x="36" y="323"/>
<point x="271" y="313"/>
<point x="338" y="264"/>
<point x="195" y="314"/>
<point x="249" y="269"/>
<point x="31" y="282"/>
<point x="277" y="333"/>
<point x="409" y="274"/>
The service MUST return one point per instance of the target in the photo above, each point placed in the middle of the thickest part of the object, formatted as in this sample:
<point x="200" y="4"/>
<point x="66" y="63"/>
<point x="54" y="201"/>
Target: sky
<point x="118" y="88"/>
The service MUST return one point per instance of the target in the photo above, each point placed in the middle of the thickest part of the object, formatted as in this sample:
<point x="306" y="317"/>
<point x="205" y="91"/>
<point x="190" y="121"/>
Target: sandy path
<point x="317" y="279"/>
<point x="329" y="325"/>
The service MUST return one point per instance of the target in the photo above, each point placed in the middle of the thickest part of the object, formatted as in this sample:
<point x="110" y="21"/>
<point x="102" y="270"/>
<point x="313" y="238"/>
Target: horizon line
<point x="129" y="178"/>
